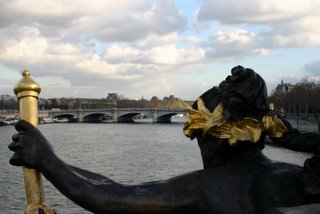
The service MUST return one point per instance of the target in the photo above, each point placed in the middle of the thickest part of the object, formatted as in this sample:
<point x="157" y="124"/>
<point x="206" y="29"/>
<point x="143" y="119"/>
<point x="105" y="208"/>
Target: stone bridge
<point x="117" y="114"/>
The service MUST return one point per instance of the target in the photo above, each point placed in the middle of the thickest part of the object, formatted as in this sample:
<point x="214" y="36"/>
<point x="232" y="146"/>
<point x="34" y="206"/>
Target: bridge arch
<point x="165" y="118"/>
<point x="127" y="117"/>
<point x="95" y="117"/>
<point x="64" y="117"/>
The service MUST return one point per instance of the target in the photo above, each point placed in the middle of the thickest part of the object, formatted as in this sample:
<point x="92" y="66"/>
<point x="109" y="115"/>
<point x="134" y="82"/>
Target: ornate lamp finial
<point x="26" y="86"/>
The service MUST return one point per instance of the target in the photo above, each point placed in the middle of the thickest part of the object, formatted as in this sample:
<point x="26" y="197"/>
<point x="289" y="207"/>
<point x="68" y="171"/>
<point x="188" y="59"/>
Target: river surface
<point x="127" y="153"/>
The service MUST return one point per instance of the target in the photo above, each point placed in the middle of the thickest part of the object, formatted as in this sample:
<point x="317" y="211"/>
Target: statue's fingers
<point x="23" y="126"/>
<point x="15" y="160"/>
<point x="14" y="146"/>
<point x="16" y="137"/>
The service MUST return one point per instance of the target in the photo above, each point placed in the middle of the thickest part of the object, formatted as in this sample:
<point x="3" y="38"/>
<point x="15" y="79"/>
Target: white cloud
<point x="131" y="23"/>
<point x="122" y="20"/>
<point x="193" y="40"/>
<point x="235" y="43"/>
<point x="262" y="52"/>
<point x="29" y="45"/>
<point x="313" y="68"/>
<point x="154" y="40"/>
<point x="256" y="11"/>
<point x="139" y="47"/>
<point x="313" y="78"/>
<point x="284" y="23"/>
<point x="118" y="54"/>
<point x="169" y="54"/>
<point x="77" y="65"/>
<point x="163" y="52"/>
<point x="54" y="38"/>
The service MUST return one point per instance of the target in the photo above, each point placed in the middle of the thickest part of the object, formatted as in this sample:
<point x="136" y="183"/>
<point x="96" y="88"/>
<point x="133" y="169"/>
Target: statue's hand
<point x="30" y="147"/>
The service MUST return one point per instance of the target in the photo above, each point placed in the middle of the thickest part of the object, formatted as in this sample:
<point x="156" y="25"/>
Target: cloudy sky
<point x="143" y="48"/>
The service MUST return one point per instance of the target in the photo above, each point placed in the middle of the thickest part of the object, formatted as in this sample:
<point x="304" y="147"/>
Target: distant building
<point x="288" y="87"/>
<point x="284" y="87"/>
<point x="169" y="99"/>
<point x="6" y="97"/>
<point x="154" y="99"/>
<point x="112" y="96"/>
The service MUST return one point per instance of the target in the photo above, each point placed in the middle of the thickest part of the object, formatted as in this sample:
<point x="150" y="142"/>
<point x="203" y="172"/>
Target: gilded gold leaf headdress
<point x="203" y="121"/>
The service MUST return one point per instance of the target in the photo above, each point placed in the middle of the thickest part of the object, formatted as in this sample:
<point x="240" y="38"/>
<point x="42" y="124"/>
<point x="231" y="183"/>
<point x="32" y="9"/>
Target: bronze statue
<point x="230" y="124"/>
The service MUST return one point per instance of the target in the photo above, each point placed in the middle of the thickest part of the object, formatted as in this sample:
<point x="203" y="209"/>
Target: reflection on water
<point x="127" y="153"/>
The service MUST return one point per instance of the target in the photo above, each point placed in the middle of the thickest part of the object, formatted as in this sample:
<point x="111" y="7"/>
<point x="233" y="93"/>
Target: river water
<point x="127" y="153"/>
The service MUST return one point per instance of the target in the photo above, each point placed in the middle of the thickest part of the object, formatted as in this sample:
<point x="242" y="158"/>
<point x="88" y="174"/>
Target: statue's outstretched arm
<point x="100" y="194"/>
<point x="302" y="142"/>
<point x="308" y="142"/>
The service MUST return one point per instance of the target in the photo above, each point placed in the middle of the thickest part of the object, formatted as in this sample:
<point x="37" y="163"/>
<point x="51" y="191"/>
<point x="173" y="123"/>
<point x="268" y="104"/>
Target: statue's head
<point x="242" y="96"/>
<point x="243" y="93"/>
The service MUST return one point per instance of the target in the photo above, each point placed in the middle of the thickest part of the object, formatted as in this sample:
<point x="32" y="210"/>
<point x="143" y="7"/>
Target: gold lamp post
<point x="27" y="91"/>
